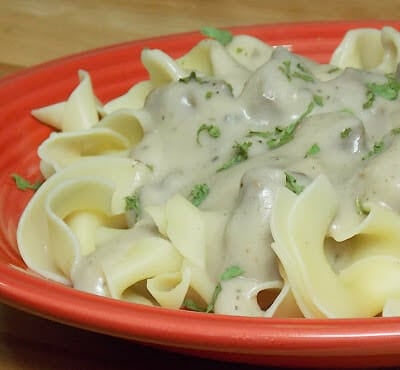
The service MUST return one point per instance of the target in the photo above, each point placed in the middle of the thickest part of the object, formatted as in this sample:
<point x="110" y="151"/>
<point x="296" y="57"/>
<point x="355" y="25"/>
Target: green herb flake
<point x="229" y="86"/>
<point x="208" y="95"/>
<point x="302" y="68"/>
<point x="217" y="291"/>
<point x="303" y="73"/>
<point x="24" y="184"/>
<point x="212" y="131"/>
<point x="314" y="149"/>
<point x="292" y="185"/>
<point x="388" y="90"/>
<point x="224" y="37"/>
<point x="395" y="131"/>
<point x="192" y="77"/>
<point x="285" y="68"/>
<point x="241" y="153"/>
<point x="230" y="273"/>
<point x="303" y="76"/>
<point x="263" y="134"/>
<point x="283" y="136"/>
<point x="319" y="100"/>
<point x="345" y="132"/>
<point x="239" y="50"/>
<point x="150" y="167"/>
<point x="189" y="304"/>
<point x="378" y="147"/>
<point x="198" y="194"/>
<point x="370" y="100"/>
<point x="361" y="208"/>
<point x="132" y="203"/>
<point x="334" y="70"/>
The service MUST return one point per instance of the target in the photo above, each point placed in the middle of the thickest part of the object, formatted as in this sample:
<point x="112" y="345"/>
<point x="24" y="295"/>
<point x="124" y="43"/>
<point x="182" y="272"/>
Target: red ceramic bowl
<point x="286" y="342"/>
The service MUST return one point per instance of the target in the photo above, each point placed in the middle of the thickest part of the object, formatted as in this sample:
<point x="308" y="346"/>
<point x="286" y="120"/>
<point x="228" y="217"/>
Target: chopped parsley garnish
<point x="301" y="72"/>
<point x="370" y="99"/>
<point x="24" y="184"/>
<point x="285" y="68"/>
<point x="222" y="36"/>
<point x="217" y="291"/>
<point x="189" y="304"/>
<point x="303" y="76"/>
<point x="229" y="86"/>
<point x="395" y="131"/>
<point x="360" y="207"/>
<point x="198" y="194"/>
<point x="334" y="69"/>
<point x="378" y="147"/>
<point x="132" y="203"/>
<point x="208" y="94"/>
<point x="212" y="130"/>
<point x="319" y="100"/>
<point x="229" y="273"/>
<point x="192" y="77"/>
<point x="263" y="134"/>
<point x="314" y="149"/>
<point x="388" y="90"/>
<point x="345" y="132"/>
<point x="241" y="153"/>
<point x="292" y="185"/>
<point x="282" y="136"/>
<point x="150" y="167"/>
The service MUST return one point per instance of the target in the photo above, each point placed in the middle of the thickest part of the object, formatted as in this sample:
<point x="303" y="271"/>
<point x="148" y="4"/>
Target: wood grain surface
<point x="35" y="31"/>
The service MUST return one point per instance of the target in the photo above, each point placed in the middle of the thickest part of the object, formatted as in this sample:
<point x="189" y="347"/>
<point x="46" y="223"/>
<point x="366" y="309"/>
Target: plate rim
<point x="224" y="333"/>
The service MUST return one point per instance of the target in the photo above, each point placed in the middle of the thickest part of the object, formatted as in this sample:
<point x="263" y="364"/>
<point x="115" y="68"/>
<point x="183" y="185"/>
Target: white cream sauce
<point x="181" y="158"/>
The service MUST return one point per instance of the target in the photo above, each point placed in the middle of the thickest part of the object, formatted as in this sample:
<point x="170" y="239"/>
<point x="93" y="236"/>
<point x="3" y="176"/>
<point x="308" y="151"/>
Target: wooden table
<point x="34" y="31"/>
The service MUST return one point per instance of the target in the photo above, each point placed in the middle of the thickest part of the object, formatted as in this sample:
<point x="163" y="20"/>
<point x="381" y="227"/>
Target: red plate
<point x="285" y="342"/>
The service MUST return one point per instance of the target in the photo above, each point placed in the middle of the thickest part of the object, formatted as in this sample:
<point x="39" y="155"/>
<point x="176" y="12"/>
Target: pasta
<point x="239" y="179"/>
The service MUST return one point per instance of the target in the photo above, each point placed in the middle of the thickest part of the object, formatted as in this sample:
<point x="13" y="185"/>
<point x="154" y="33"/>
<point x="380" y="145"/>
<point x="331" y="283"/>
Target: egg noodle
<point x="239" y="179"/>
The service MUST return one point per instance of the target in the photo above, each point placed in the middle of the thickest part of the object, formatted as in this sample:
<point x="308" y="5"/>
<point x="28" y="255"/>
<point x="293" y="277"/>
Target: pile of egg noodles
<point x="238" y="179"/>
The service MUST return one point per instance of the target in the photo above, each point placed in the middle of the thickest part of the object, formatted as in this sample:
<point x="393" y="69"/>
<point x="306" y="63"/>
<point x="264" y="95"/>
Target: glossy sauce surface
<point x="291" y="119"/>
